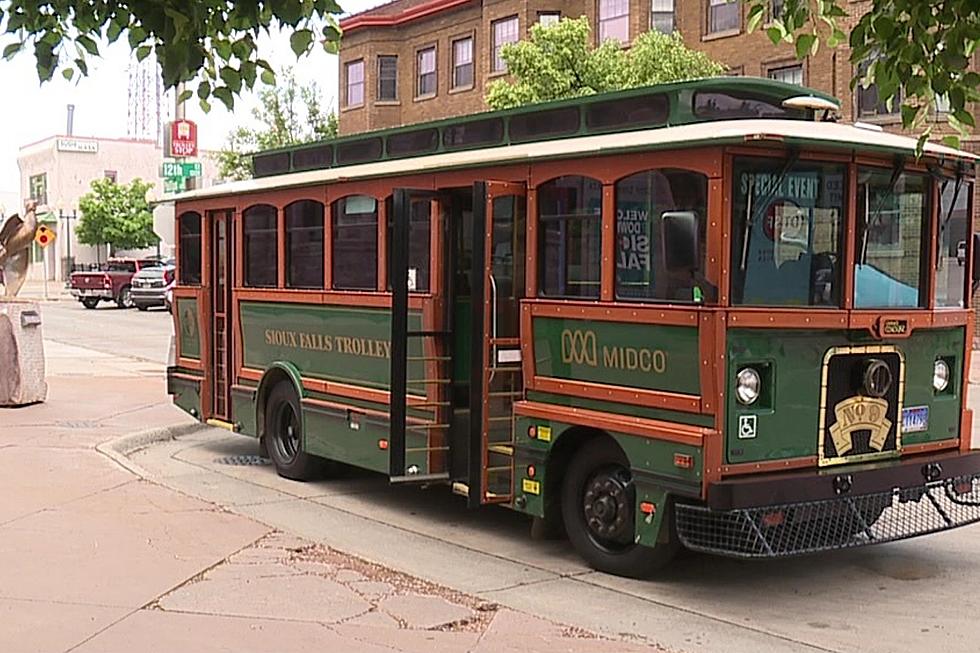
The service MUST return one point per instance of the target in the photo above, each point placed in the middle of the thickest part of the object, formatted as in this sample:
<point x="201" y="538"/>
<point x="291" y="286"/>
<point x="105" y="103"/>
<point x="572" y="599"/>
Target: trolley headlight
<point x="940" y="375"/>
<point x="747" y="386"/>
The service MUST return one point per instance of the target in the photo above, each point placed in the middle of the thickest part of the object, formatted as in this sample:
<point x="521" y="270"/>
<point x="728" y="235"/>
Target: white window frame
<point x="609" y="21"/>
<point x="658" y="9"/>
<point x="348" y="86"/>
<point x="497" y="63"/>
<point x="457" y="64"/>
<point x="419" y="54"/>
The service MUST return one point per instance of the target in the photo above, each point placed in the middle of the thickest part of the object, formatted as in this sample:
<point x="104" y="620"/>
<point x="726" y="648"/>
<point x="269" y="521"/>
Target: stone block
<point x="21" y="354"/>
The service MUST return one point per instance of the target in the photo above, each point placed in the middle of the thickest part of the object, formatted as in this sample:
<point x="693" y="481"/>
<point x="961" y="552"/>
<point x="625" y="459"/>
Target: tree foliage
<point x="559" y="61"/>
<point x="288" y="114"/>
<point x="117" y="214"/>
<point x="921" y="47"/>
<point x="210" y="42"/>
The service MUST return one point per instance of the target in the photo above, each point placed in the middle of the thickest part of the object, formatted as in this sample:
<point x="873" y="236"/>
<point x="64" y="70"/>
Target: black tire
<point x="284" y="436"/>
<point x="598" y="505"/>
<point x="90" y="302"/>
<point x="125" y="298"/>
<point x="142" y="307"/>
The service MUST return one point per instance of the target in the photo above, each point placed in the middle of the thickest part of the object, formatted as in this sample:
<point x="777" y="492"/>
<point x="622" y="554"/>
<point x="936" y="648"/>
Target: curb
<point x="120" y="448"/>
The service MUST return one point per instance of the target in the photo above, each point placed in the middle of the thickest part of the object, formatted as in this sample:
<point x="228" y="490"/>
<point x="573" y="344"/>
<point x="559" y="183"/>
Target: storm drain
<point x="243" y="460"/>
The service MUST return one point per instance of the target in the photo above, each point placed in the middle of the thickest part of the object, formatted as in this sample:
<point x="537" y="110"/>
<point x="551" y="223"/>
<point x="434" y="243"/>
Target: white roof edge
<point x="835" y="134"/>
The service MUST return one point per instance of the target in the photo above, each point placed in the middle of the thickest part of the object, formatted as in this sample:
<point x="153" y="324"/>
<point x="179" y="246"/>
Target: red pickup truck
<point x="111" y="283"/>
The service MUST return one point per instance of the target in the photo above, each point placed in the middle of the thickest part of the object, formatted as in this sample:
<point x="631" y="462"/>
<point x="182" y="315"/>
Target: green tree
<point x="288" y="114"/>
<point x="921" y="47"/>
<point x="208" y="45"/>
<point x="116" y="214"/>
<point x="559" y="61"/>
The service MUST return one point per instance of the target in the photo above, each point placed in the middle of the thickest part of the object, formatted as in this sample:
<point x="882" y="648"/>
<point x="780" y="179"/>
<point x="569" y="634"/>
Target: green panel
<point x="787" y="415"/>
<point x="333" y="435"/>
<point x="622" y="409"/>
<point x="344" y="344"/>
<point x="243" y="412"/>
<point x="190" y="330"/>
<point x="649" y="356"/>
<point x="187" y="396"/>
<point x="462" y="334"/>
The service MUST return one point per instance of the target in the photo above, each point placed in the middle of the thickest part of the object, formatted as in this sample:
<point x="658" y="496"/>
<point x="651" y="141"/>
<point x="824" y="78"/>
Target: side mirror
<point x="679" y="235"/>
<point x="975" y="252"/>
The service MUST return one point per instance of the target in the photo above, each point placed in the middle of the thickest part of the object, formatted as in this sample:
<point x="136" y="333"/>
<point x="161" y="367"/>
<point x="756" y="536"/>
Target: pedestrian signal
<point x="44" y="236"/>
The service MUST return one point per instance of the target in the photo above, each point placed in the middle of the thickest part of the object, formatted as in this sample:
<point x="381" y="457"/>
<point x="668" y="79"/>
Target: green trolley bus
<point x="702" y="314"/>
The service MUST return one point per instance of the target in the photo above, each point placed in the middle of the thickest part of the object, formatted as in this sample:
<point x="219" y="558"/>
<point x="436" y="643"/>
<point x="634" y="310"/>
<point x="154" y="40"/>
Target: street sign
<point x="182" y="141"/>
<point x="173" y="184"/>
<point x="180" y="169"/>
<point x="44" y="236"/>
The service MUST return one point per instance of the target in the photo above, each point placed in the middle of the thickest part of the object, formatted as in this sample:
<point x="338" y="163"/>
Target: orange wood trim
<point x="811" y="318"/>
<point x="707" y="379"/>
<point x="811" y="154"/>
<point x="640" y="426"/>
<point x="383" y="218"/>
<point x="911" y="165"/>
<point x="527" y="346"/>
<point x="927" y="447"/>
<point x="250" y="373"/>
<point x="281" y="248"/>
<point x="609" y="169"/>
<point x="186" y="291"/>
<point x="607" y="269"/>
<point x="769" y="466"/>
<point x="714" y="447"/>
<point x="366" y="299"/>
<point x="621" y="394"/>
<point x="244" y="388"/>
<point x="716" y="208"/>
<point x="436" y="265"/>
<point x="238" y="251"/>
<point x="339" y="389"/>
<point x="191" y="364"/>
<point x="618" y="312"/>
<point x="187" y="377"/>
<point x="966" y="428"/>
<point x="850" y="237"/>
<point x="205" y="205"/>
<point x="531" y="267"/>
<point x="327" y="246"/>
<point x="723" y="215"/>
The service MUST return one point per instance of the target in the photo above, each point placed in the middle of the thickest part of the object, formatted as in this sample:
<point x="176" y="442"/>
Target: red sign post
<point x="183" y="139"/>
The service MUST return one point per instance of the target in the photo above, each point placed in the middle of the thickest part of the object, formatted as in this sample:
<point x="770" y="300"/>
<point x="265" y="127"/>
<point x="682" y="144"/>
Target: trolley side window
<point x="642" y="200"/>
<point x="355" y="243"/>
<point x="570" y="235"/>
<point x="304" y="244"/>
<point x="260" y="231"/>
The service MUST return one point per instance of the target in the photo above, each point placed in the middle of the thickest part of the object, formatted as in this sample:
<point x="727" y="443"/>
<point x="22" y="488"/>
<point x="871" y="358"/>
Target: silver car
<point x="151" y="286"/>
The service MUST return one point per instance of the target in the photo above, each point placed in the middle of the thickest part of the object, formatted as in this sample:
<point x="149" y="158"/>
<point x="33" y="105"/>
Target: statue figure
<point x="16" y="237"/>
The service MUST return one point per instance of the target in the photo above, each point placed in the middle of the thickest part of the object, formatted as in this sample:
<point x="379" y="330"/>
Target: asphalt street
<point x="916" y="595"/>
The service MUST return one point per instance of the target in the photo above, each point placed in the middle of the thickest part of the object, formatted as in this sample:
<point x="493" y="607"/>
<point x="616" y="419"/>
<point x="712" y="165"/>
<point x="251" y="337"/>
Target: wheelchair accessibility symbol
<point x="746" y="427"/>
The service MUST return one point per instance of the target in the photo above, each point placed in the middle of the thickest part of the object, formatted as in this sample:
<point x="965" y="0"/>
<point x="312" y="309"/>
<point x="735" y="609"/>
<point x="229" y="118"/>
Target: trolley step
<point x="420" y="478"/>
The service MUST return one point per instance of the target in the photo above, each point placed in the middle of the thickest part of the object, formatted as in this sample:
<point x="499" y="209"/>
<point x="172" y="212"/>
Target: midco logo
<point x="581" y="347"/>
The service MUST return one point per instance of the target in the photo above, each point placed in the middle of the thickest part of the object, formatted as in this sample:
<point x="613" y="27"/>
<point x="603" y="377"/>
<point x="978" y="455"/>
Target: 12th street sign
<point x="180" y="169"/>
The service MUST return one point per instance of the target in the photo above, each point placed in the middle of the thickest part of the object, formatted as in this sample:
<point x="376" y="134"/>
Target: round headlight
<point x="940" y="375"/>
<point x="747" y="386"/>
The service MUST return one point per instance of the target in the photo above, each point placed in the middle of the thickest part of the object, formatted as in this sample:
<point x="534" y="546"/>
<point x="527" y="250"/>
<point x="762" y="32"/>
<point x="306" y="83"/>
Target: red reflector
<point x="647" y="508"/>
<point x="963" y="487"/>
<point x="532" y="432"/>
<point x="771" y="519"/>
<point x="683" y="460"/>
<point x="531" y="471"/>
<point x="382" y="444"/>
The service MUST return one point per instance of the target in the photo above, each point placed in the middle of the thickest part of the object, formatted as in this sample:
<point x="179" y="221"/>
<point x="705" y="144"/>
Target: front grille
<point x="843" y="522"/>
<point x="858" y="419"/>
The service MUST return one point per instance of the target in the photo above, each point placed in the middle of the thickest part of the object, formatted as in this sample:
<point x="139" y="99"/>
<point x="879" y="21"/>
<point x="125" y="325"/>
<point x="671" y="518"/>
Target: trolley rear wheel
<point x="284" y="436"/>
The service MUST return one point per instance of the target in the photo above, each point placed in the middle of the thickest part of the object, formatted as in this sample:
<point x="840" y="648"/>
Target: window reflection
<point x="954" y="216"/>
<point x="569" y="247"/>
<point x="355" y="243"/>
<point x="304" y="244"/>
<point x="261" y="249"/>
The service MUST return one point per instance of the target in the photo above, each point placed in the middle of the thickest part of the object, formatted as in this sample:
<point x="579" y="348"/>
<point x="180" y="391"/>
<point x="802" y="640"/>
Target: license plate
<point x="915" y="419"/>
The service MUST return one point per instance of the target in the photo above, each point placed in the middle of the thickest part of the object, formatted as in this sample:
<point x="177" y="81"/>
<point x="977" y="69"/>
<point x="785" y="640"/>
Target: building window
<point x="261" y="246"/>
<point x="355" y="83"/>
<point x="189" y="228"/>
<point x="427" y="72"/>
<point x="304" y="244"/>
<point x="355" y="243"/>
<point x="548" y="18"/>
<point x="642" y="201"/>
<point x="463" y="63"/>
<point x="788" y="74"/>
<point x="723" y="16"/>
<point x="868" y="103"/>
<point x="570" y="235"/>
<point x="662" y="16"/>
<point x="39" y="188"/>
<point x="111" y="175"/>
<point x="504" y="31"/>
<point x="614" y="20"/>
<point x="387" y="78"/>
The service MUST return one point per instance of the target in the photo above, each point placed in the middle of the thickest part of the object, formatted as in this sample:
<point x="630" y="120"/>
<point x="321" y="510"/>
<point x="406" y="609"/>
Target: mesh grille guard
<point x="845" y="522"/>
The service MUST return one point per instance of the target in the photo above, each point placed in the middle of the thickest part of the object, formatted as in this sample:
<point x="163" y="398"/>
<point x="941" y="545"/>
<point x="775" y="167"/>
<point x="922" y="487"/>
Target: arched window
<point x="569" y="237"/>
<point x="304" y="244"/>
<point x="642" y="200"/>
<point x="355" y="243"/>
<point x="189" y="228"/>
<point x="261" y="246"/>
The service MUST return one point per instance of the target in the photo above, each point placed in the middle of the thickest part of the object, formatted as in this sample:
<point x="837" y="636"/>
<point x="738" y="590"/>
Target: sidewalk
<point x="34" y="290"/>
<point x="103" y="561"/>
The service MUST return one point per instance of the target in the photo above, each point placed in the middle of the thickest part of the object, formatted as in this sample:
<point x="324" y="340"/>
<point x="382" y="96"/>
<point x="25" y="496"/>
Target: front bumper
<point x="793" y="514"/>
<point x="85" y="293"/>
<point x="148" y="295"/>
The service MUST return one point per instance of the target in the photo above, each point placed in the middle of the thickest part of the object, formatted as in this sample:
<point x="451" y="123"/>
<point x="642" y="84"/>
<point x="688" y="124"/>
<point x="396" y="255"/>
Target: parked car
<point x="153" y="286"/>
<point x="961" y="252"/>
<point x="111" y="283"/>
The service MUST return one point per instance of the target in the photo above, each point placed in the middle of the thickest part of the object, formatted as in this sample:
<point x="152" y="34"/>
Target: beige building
<point x="58" y="170"/>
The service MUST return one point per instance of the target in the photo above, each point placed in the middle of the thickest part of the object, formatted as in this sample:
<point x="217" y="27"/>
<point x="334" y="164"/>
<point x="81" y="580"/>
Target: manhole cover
<point x="243" y="460"/>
